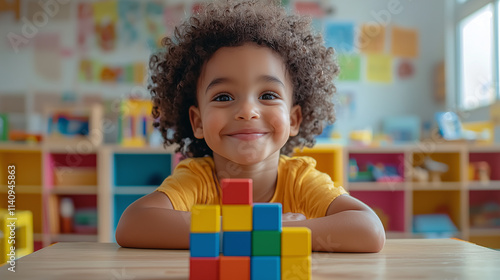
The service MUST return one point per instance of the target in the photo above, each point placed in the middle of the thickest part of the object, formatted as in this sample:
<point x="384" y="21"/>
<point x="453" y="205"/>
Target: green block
<point x="266" y="243"/>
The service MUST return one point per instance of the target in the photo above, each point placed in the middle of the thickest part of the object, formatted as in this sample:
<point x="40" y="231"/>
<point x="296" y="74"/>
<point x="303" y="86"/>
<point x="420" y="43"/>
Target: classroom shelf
<point x="23" y="189"/>
<point x="490" y="185"/>
<point x="123" y="175"/>
<point x="432" y="186"/>
<point x="128" y="174"/>
<point x="378" y="186"/>
<point x="62" y="190"/>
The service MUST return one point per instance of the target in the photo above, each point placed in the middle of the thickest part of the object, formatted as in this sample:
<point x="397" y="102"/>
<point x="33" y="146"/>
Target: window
<point x="477" y="53"/>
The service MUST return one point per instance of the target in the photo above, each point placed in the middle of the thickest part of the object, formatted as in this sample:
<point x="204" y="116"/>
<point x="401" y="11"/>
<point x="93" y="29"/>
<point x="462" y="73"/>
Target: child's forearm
<point x="154" y="228"/>
<point x="347" y="231"/>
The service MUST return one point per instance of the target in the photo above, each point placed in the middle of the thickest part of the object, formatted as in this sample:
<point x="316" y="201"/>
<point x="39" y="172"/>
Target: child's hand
<point x="292" y="217"/>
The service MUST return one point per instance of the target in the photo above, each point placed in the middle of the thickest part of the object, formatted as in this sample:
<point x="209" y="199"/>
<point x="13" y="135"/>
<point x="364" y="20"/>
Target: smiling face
<point x="245" y="98"/>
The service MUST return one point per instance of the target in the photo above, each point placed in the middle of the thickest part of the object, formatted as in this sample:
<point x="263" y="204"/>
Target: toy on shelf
<point x="480" y="171"/>
<point x="67" y="212"/>
<point x="254" y="243"/>
<point x="435" y="168"/>
<point x="434" y="225"/>
<point x="135" y="123"/>
<point x="353" y="169"/>
<point x="71" y="123"/>
<point x="486" y="215"/>
<point x="361" y="137"/>
<point x="420" y="174"/>
<point x="385" y="173"/>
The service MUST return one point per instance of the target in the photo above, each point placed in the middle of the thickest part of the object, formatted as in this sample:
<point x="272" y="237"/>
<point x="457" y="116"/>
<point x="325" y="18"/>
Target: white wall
<point x="374" y="101"/>
<point x="413" y="96"/>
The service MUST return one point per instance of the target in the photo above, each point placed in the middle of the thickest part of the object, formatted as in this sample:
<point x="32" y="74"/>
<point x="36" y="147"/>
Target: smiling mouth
<point x="248" y="136"/>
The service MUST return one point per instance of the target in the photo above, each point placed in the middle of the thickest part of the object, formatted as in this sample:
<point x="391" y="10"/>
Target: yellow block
<point x="237" y="217"/>
<point x="296" y="268"/>
<point x="20" y="227"/>
<point x="295" y="242"/>
<point x="205" y="218"/>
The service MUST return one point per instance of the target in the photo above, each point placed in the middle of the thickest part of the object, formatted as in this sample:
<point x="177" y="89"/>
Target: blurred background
<point x="74" y="110"/>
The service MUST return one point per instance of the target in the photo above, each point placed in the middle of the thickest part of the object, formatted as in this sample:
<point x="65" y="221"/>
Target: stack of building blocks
<point x="254" y="243"/>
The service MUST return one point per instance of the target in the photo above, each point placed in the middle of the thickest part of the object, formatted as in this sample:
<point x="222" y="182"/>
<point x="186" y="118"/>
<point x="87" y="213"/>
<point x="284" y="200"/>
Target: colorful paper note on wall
<point x="130" y="15"/>
<point x="155" y="26"/>
<point x="312" y="9"/>
<point x="349" y="67"/>
<point x="105" y="19"/>
<point x="404" y="42"/>
<point x="372" y="38"/>
<point x="85" y="25"/>
<point x="405" y="69"/>
<point x="379" y="68"/>
<point x="47" y="56"/>
<point x="340" y="36"/>
<point x="52" y="9"/>
<point x="11" y="6"/>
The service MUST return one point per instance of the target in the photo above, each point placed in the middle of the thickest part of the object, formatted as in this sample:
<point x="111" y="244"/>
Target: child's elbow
<point x="122" y="238"/>
<point x="375" y="239"/>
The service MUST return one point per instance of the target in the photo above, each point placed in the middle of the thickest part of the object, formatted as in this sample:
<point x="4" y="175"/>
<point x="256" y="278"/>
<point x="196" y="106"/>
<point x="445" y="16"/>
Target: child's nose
<point x="247" y="111"/>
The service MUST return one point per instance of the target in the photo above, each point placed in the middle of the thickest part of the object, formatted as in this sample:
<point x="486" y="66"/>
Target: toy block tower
<point x="255" y="246"/>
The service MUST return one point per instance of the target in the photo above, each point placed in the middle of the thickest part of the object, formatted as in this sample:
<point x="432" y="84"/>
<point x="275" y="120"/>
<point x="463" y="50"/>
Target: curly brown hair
<point x="175" y="69"/>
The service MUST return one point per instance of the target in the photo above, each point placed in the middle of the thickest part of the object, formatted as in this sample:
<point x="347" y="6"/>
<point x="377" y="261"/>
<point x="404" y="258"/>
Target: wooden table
<point x="400" y="259"/>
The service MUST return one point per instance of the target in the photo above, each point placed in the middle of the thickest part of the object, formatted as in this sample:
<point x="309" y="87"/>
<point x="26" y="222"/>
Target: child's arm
<point x="349" y="226"/>
<point x="151" y="222"/>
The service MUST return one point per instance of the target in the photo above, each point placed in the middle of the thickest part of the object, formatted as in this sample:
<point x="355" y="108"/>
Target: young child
<point x="241" y="85"/>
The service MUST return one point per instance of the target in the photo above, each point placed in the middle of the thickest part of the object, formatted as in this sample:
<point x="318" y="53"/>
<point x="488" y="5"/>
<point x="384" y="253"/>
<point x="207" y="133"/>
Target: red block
<point x="237" y="191"/>
<point x="232" y="268"/>
<point x="204" y="268"/>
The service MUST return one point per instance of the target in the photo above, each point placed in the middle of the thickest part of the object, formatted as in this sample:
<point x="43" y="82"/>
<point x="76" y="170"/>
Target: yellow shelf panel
<point x="490" y="241"/>
<point x="328" y="158"/>
<point x="28" y="167"/>
<point x="437" y="202"/>
<point x="27" y="201"/>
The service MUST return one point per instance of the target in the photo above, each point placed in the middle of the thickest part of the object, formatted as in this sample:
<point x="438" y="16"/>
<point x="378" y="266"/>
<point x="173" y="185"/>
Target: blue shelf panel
<point x="141" y="169"/>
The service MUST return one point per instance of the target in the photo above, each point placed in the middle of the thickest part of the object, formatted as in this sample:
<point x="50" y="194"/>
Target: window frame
<point x="462" y="10"/>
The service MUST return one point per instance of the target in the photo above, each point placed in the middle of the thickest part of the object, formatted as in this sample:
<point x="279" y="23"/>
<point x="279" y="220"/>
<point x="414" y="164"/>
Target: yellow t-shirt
<point x="300" y="187"/>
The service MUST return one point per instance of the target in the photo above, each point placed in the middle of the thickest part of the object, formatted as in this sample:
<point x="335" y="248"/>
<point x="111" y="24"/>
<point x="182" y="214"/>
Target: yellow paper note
<point x="106" y="10"/>
<point x="379" y="68"/>
<point x="372" y="38"/>
<point x="404" y="42"/>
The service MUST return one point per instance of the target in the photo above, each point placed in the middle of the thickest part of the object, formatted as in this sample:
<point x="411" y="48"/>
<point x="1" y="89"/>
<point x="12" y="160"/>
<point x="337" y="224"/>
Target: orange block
<point x="234" y="268"/>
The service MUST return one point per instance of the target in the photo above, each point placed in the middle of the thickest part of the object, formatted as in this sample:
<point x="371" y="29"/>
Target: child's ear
<point x="295" y="120"/>
<point x="196" y="124"/>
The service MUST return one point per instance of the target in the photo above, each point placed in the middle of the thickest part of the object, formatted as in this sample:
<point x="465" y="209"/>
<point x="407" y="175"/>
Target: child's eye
<point x="222" y="98"/>
<point x="269" y="95"/>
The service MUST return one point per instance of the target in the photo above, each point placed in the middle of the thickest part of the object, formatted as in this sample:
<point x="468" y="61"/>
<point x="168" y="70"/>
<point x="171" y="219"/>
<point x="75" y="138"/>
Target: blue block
<point x="267" y="216"/>
<point x="237" y="243"/>
<point x="265" y="268"/>
<point x="204" y="244"/>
